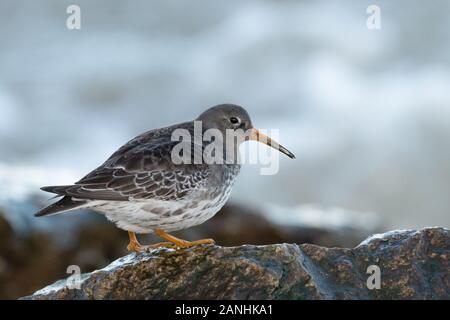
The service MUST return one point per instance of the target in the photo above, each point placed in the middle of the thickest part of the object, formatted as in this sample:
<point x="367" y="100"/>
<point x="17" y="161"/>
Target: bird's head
<point x="230" y="116"/>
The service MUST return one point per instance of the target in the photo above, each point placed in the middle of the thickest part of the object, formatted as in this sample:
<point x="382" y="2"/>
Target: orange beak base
<point x="256" y="135"/>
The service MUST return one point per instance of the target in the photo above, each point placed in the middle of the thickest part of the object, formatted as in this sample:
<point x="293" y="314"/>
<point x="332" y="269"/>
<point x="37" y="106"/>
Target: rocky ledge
<point x="408" y="264"/>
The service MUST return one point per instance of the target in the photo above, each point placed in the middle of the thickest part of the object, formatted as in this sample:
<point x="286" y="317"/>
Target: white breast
<point x="145" y="216"/>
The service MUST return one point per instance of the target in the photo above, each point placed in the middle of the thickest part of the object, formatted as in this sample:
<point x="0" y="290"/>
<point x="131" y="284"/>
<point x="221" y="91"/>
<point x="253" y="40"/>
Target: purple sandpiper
<point x="142" y="190"/>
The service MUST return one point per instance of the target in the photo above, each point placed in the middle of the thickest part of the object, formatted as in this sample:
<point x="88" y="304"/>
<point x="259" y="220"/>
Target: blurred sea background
<point x="366" y="112"/>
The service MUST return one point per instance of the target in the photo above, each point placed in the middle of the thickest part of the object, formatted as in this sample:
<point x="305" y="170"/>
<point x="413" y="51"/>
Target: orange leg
<point x="180" y="242"/>
<point x="135" y="246"/>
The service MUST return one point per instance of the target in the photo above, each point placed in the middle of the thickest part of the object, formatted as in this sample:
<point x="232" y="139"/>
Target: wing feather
<point x="141" y="169"/>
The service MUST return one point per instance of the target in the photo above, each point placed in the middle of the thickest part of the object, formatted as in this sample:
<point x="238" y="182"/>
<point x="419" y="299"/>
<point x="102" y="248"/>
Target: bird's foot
<point x="180" y="243"/>
<point x="190" y="244"/>
<point x="173" y="242"/>
<point x="133" y="247"/>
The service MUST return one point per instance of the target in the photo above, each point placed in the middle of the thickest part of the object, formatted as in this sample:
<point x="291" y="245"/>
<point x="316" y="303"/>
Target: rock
<point x="413" y="265"/>
<point x="32" y="257"/>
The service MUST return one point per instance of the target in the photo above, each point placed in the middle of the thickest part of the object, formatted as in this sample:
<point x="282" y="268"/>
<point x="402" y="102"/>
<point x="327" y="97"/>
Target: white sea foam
<point x="365" y="112"/>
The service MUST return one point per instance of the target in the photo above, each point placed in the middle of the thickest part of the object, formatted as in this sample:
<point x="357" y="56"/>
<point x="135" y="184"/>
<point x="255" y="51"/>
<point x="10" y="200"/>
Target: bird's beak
<point x="256" y="135"/>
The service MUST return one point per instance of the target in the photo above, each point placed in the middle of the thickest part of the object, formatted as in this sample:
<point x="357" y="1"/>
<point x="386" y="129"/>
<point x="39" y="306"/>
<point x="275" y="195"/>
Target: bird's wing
<point x="141" y="169"/>
<point x="121" y="185"/>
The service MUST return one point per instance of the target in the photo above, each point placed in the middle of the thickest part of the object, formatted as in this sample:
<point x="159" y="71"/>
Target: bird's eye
<point x="234" y="120"/>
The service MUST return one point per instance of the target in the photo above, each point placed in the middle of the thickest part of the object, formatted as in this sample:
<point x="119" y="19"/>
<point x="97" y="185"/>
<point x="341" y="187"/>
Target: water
<point x="366" y="112"/>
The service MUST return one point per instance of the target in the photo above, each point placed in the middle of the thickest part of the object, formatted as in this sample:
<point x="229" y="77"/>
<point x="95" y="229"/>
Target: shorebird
<point x="142" y="190"/>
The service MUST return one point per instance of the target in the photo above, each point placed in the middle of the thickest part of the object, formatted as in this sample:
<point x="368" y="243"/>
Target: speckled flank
<point x="143" y="216"/>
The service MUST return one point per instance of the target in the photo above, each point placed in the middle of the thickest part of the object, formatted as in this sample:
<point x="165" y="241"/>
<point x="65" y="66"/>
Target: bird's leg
<point x="180" y="242"/>
<point x="135" y="246"/>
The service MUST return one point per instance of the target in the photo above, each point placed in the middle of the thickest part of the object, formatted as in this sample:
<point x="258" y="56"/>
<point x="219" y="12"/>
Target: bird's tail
<point x="63" y="205"/>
